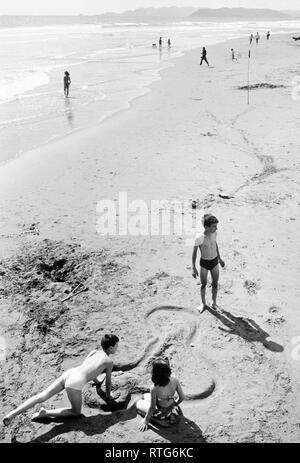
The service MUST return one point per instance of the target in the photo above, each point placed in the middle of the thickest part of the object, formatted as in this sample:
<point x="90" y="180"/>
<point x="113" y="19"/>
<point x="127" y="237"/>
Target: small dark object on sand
<point x="194" y="204"/>
<point x="225" y="196"/>
<point x="260" y="85"/>
<point x="296" y="38"/>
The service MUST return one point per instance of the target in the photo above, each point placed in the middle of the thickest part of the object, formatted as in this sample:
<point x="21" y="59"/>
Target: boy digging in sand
<point x="210" y="259"/>
<point x="73" y="380"/>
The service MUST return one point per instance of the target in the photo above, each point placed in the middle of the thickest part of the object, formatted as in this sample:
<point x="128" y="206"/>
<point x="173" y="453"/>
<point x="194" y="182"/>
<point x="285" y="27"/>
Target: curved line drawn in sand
<point x="268" y="163"/>
<point x="130" y="365"/>
<point x="162" y="342"/>
<point x="166" y="341"/>
<point x="173" y="339"/>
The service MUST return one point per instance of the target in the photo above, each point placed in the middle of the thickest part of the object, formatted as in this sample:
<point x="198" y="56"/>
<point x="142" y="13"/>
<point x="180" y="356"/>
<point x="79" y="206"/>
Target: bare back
<point x="165" y="394"/>
<point x="95" y="364"/>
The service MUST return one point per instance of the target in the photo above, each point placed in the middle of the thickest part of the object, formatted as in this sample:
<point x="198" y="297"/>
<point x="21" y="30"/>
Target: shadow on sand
<point x="90" y="426"/>
<point x="184" y="430"/>
<point x="245" y="328"/>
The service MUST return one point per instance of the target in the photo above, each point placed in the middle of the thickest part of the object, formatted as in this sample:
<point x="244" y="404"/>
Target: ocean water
<point x="109" y="64"/>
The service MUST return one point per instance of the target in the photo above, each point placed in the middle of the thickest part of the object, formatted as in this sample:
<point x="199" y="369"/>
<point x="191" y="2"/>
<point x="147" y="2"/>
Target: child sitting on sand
<point x="160" y="403"/>
<point x="210" y="258"/>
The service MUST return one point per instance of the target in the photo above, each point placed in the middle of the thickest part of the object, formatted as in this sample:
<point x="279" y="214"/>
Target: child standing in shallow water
<point x="160" y="403"/>
<point x="210" y="259"/>
<point x="67" y="82"/>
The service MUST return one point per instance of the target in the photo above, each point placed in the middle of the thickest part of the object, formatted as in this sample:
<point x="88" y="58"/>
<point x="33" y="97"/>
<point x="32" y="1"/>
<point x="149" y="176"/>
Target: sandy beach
<point x="192" y="136"/>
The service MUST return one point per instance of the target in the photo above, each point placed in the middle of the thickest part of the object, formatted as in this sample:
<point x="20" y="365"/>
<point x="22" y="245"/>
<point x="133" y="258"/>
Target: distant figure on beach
<point x="73" y="380"/>
<point x="160" y="42"/>
<point x="232" y="55"/>
<point x="203" y="57"/>
<point x="160" y="404"/>
<point x="169" y="43"/>
<point x="67" y="81"/>
<point x="268" y="35"/>
<point x="251" y="38"/>
<point x="257" y="37"/>
<point x="210" y="259"/>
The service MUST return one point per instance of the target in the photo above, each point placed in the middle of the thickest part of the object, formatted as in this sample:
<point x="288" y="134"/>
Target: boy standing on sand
<point x="210" y="259"/>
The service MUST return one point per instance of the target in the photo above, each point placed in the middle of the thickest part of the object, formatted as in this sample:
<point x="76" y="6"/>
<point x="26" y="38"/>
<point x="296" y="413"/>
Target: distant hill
<point x="242" y="13"/>
<point x="292" y="13"/>
<point x="164" y="12"/>
<point x="150" y="15"/>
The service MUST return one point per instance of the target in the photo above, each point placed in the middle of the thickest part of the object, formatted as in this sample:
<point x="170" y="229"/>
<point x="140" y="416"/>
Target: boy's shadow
<point x="93" y="424"/>
<point x="245" y="328"/>
<point x="184" y="430"/>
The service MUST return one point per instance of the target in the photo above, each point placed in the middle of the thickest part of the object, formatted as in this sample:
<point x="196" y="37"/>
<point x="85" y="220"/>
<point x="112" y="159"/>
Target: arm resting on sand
<point x="151" y="408"/>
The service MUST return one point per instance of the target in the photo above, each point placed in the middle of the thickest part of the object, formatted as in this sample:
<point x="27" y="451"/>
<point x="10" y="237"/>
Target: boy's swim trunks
<point x="209" y="264"/>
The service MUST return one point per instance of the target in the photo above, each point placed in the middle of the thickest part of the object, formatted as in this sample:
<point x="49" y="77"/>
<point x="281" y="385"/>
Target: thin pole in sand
<point x="248" y="93"/>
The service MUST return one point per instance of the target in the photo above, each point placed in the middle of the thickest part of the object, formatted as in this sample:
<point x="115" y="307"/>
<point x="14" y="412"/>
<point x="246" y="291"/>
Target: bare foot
<point x="215" y="306"/>
<point x="202" y="307"/>
<point x="40" y="414"/>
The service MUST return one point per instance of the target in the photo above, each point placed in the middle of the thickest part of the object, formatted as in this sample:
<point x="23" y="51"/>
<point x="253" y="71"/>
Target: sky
<point x="59" y="7"/>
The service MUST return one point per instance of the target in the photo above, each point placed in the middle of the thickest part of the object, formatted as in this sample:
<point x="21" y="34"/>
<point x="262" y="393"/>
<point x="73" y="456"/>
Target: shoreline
<point x="192" y="136"/>
<point x="143" y="91"/>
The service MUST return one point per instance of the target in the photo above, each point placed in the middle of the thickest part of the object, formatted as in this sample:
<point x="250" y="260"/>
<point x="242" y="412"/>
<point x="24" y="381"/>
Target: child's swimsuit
<point x="209" y="264"/>
<point x="160" y="412"/>
<point x="73" y="379"/>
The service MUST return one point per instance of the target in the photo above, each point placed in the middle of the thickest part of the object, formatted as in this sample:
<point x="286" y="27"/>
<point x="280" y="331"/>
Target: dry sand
<point x="192" y="136"/>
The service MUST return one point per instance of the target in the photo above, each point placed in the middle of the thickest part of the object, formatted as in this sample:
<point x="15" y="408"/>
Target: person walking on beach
<point x="67" y="81"/>
<point x="203" y="57"/>
<point x="268" y="35"/>
<point x="160" y="42"/>
<point x="73" y="380"/>
<point x="232" y="55"/>
<point x="210" y="259"/>
<point x="169" y="43"/>
<point x="251" y="38"/>
<point x="159" y="405"/>
<point x="257" y="37"/>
